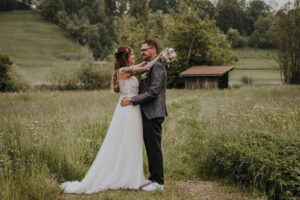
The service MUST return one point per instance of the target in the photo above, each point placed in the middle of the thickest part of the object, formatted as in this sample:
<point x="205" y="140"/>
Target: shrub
<point x="246" y="80"/>
<point x="93" y="77"/>
<point x="64" y="79"/>
<point x="87" y="77"/>
<point x="233" y="36"/>
<point x="255" y="159"/>
<point x="11" y="80"/>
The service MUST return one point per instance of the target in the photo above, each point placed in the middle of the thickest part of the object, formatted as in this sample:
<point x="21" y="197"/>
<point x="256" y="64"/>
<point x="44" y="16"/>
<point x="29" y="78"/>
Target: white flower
<point x="168" y="55"/>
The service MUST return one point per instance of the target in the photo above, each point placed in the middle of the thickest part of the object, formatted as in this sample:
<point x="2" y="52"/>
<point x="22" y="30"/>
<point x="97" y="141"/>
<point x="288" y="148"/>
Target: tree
<point x="255" y="9"/>
<point x="260" y="37"/>
<point x="15" y="4"/>
<point x="285" y="33"/>
<point x="207" y="6"/>
<point x="156" y="5"/>
<point x="155" y="29"/>
<point x="231" y="14"/>
<point x="50" y="8"/>
<point x="139" y="9"/>
<point x="72" y="6"/>
<point x="233" y="36"/>
<point x="197" y="41"/>
<point x="10" y="79"/>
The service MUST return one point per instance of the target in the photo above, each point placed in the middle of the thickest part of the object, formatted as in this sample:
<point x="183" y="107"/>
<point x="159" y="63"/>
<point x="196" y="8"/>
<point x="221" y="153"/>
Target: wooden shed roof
<point x="206" y="71"/>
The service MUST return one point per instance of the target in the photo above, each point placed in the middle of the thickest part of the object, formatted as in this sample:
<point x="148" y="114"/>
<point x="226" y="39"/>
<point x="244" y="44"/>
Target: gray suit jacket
<point x="152" y="92"/>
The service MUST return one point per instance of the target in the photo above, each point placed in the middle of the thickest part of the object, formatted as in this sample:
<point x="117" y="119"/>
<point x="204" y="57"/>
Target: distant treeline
<point x="16" y="4"/>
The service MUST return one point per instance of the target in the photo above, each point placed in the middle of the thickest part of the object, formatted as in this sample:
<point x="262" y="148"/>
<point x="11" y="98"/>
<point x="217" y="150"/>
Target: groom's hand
<point x="125" y="101"/>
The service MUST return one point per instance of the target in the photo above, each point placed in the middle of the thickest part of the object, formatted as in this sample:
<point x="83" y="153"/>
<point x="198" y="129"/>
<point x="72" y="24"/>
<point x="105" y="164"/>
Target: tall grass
<point x="248" y="136"/>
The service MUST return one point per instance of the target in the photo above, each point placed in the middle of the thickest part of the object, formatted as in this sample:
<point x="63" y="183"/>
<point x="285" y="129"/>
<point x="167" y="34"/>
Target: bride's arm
<point x="138" y="69"/>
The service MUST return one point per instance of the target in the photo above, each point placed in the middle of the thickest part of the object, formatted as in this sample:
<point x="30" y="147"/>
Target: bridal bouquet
<point x="168" y="55"/>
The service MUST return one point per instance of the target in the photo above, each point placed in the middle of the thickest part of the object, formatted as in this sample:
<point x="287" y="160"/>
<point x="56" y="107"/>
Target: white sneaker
<point x="147" y="182"/>
<point x="153" y="186"/>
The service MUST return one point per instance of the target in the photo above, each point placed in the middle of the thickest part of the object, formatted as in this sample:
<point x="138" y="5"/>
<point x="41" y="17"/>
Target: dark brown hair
<point x="122" y="60"/>
<point x="151" y="43"/>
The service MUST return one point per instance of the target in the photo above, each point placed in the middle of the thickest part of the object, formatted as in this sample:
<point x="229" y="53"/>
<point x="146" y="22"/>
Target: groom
<point x="152" y="99"/>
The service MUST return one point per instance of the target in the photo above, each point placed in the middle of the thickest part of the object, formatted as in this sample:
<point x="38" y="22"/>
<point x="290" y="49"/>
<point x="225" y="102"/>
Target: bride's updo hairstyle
<point x="122" y="60"/>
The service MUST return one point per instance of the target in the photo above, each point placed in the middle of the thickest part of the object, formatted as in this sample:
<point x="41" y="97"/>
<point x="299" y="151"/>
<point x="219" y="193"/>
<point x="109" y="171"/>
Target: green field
<point x="257" y="64"/>
<point x="260" y="59"/>
<point x="50" y="137"/>
<point x="37" y="46"/>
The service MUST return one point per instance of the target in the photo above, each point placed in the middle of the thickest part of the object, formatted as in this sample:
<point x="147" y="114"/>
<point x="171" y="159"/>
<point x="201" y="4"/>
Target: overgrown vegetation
<point x="11" y="80"/>
<point x="249" y="136"/>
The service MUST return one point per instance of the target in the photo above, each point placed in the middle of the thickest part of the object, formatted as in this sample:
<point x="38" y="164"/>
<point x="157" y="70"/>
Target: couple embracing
<point x="138" y="116"/>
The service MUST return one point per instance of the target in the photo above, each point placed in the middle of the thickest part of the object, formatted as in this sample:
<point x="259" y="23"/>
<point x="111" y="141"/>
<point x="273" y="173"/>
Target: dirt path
<point x="177" y="190"/>
<point x="208" y="190"/>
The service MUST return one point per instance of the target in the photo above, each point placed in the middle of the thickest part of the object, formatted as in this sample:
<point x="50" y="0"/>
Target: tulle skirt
<point x="119" y="162"/>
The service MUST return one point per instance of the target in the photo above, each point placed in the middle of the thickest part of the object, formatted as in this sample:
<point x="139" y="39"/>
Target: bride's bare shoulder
<point x="123" y="75"/>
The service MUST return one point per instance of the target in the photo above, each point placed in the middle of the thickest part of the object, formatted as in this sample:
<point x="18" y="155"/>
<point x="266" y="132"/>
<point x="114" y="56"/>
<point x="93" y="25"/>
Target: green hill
<point x="35" y="45"/>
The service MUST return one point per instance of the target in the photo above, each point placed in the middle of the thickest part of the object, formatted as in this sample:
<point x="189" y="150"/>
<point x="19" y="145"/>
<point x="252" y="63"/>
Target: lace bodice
<point x="129" y="87"/>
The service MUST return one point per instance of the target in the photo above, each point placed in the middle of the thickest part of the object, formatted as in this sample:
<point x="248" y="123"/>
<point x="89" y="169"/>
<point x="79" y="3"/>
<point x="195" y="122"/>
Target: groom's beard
<point x="147" y="58"/>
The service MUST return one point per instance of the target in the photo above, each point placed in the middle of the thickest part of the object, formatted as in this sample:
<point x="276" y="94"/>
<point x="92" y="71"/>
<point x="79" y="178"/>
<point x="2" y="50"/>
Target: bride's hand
<point x="142" y="64"/>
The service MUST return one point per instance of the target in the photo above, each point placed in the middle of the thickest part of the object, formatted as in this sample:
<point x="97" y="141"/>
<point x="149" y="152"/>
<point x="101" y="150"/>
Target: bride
<point x="119" y="162"/>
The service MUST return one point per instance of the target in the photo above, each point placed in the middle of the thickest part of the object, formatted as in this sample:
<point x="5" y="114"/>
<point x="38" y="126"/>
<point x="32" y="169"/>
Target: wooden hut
<point x="206" y="77"/>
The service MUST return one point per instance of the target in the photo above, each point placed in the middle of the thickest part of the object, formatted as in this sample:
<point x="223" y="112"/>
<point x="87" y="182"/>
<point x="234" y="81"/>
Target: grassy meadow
<point x="258" y="65"/>
<point x="238" y="143"/>
<point x="249" y="136"/>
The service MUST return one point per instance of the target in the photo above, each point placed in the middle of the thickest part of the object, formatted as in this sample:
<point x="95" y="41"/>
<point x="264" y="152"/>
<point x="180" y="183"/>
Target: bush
<point x="10" y="79"/>
<point x="64" y="79"/>
<point x="247" y="80"/>
<point x="93" y="77"/>
<point x="255" y="159"/>
<point x="233" y="36"/>
<point x="87" y="77"/>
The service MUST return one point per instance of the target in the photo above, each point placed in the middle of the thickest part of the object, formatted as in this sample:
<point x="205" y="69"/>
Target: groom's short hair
<point x="151" y="43"/>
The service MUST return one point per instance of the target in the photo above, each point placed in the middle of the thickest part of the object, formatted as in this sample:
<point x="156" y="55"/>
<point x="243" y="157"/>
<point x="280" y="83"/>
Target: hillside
<point x="36" y="46"/>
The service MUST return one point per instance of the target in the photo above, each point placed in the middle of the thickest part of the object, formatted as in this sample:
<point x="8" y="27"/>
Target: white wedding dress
<point x="119" y="162"/>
